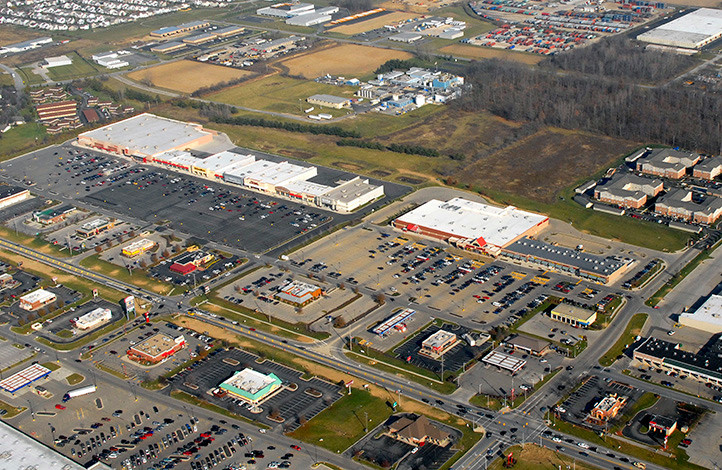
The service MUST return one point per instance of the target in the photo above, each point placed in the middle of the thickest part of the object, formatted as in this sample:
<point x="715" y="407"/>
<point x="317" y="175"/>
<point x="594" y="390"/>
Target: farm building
<point x="471" y="225"/>
<point x="628" y="190"/>
<point x="707" y="317"/>
<point x="299" y="293"/>
<point x="37" y="299"/>
<point x="10" y="195"/>
<point x="329" y="101"/>
<point x="156" y="348"/>
<point x="92" y="319"/>
<point x="667" y="163"/>
<point x="573" y="315"/>
<point x="691" y="31"/>
<point x="251" y="386"/>
<point x="146" y="135"/>
<point x="689" y="206"/>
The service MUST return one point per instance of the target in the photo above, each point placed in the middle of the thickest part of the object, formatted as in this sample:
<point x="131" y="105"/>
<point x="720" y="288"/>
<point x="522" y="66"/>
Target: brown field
<point x="699" y="3"/>
<point x="335" y="60"/>
<point x="478" y="52"/>
<point x="539" y="166"/>
<point x="417" y="6"/>
<point x="186" y="76"/>
<point x="373" y="23"/>
<point x="12" y="34"/>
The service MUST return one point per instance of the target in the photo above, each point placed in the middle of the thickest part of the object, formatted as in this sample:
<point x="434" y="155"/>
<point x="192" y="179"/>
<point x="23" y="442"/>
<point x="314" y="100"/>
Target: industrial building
<point x="58" y="61"/>
<point x="145" y="136"/>
<point x="437" y="344"/>
<point x="156" y="348"/>
<point x="628" y="190"/>
<point x="92" y="319"/>
<point x="25" y="45"/>
<point x="604" y="270"/>
<point x="667" y="163"/>
<point x="572" y="315"/>
<point x="708" y="169"/>
<point x="24" y="378"/>
<point x="298" y="293"/>
<point x="329" y="101"/>
<point x="54" y="214"/>
<point x="707" y="317"/>
<point x="183" y="28"/>
<point x="504" y="361"/>
<point x="168" y="47"/>
<point x="704" y="366"/>
<point x="251" y="386"/>
<point x="138" y="247"/>
<point x="94" y="227"/>
<point x="689" y="206"/>
<point x="201" y="38"/>
<point x="691" y="31"/>
<point x="229" y="31"/>
<point x="286" y="10"/>
<point x="10" y="195"/>
<point x="407" y="37"/>
<point x="471" y="225"/>
<point x="189" y="262"/>
<point x="110" y="60"/>
<point x="36" y="299"/>
<point x="320" y="16"/>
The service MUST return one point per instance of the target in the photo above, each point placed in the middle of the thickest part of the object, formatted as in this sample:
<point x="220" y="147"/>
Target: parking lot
<point x="59" y="329"/>
<point x="299" y="400"/>
<point x="25" y="282"/>
<point x="68" y="235"/>
<point x="580" y="403"/>
<point x="216" y="267"/>
<point x="65" y="296"/>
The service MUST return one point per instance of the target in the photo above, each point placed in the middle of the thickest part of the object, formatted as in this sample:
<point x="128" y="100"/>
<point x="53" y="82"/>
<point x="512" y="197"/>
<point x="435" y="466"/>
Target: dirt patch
<point x="297" y="154"/>
<point x="334" y="61"/>
<point x="478" y="52"/>
<point x="539" y="166"/>
<point x="373" y="23"/>
<point x="381" y="173"/>
<point x="187" y="76"/>
<point x="348" y="166"/>
<point x="408" y="180"/>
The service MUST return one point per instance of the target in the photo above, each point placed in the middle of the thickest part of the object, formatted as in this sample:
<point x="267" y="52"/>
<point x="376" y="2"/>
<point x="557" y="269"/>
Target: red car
<point x="295" y="447"/>
<point x="60" y="407"/>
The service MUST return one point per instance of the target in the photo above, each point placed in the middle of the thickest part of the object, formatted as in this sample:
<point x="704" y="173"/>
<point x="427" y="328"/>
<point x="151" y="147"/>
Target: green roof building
<point x="251" y="386"/>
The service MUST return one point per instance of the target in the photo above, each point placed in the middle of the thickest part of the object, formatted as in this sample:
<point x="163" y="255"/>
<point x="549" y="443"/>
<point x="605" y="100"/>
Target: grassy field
<point x="187" y="76"/>
<point x="478" y="52"/>
<point x="6" y="79"/>
<point x="335" y="60"/>
<point x="374" y="23"/>
<point x="137" y="278"/>
<point x="29" y="78"/>
<point x="533" y="457"/>
<point x="21" y="138"/>
<point x="74" y="379"/>
<point x="634" y="328"/>
<point x="11" y="410"/>
<point x="279" y="94"/>
<point x="78" y="69"/>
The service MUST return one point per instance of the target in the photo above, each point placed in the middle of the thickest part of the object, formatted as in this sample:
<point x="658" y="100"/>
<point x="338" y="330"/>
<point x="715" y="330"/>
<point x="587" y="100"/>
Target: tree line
<point x="398" y="148"/>
<point x="675" y="116"/>
<point x="287" y="126"/>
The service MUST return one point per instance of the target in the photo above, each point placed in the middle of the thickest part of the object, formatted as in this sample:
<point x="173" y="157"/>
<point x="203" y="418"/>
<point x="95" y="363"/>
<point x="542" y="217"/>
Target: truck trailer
<point x="79" y="392"/>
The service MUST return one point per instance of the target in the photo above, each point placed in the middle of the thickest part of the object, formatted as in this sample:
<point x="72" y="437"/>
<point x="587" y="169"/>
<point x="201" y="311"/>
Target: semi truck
<point x="79" y="392"/>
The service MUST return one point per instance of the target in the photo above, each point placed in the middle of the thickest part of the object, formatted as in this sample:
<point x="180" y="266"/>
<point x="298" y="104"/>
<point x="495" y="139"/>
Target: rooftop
<point x="157" y="344"/>
<point x="350" y="190"/>
<point x="8" y="191"/>
<point x="572" y="311"/>
<point x="686" y="200"/>
<point x="438" y="339"/>
<point x="628" y="185"/>
<point x="527" y="342"/>
<point x="329" y="99"/>
<point x="688" y="30"/>
<point x="504" y="361"/>
<point x="40" y="295"/>
<point x="250" y="383"/>
<point x="710" y="311"/>
<point x="224" y="161"/>
<point x="704" y="361"/>
<point x="668" y="158"/>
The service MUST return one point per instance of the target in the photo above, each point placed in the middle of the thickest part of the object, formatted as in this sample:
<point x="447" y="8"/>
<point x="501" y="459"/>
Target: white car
<point x="556" y="439"/>
<point x="583" y="445"/>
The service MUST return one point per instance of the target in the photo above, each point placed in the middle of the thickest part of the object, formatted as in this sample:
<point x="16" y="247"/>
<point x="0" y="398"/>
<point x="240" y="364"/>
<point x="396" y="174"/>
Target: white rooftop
<point x="307" y="187"/>
<point x="468" y="219"/>
<point x="690" y="30"/>
<point x="223" y="161"/>
<point x="249" y="380"/>
<point x="274" y="173"/>
<point x="40" y="295"/>
<point x="709" y="312"/>
<point x="148" y="133"/>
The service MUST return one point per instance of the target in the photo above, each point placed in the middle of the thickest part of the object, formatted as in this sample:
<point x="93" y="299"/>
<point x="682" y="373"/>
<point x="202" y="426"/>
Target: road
<point x="19" y="84"/>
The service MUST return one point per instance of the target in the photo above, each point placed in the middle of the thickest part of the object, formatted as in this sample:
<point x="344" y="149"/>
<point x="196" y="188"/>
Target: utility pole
<point x="366" y="422"/>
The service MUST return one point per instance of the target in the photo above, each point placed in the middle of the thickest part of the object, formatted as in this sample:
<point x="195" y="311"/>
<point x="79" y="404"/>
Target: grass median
<point x="633" y="329"/>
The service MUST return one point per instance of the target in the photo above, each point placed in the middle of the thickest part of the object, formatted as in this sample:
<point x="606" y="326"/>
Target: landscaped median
<point x="138" y="277"/>
<point x="633" y="329"/>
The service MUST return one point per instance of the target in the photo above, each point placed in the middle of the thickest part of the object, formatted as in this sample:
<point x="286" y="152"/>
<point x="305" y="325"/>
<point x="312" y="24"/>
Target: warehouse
<point x="10" y="195"/>
<point x="573" y="315"/>
<point x="24" y="378"/>
<point x="58" y="61"/>
<point x="604" y="270"/>
<point x="94" y="227"/>
<point x="708" y="169"/>
<point x="299" y="293"/>
<point x="286" y="10"/>
<point x="138" y="247"/>
<point x="199" y="38"/>
<point x="704" y="366"/>
<point x="110" y="60"/>
<point x="708" y="317"/>
<point x="685" y="205"/>
<point x="229" y="31"/>
<point x="156" y="348"/>
<point x="628" y="190"/>
<point x="311" y="18"/>
<point x="407" y="37"/>
<point x="438" y="344"/>
<point x="251" y="386"/>
<point x="329" y="101"/>
<point x="183" y="28"/>
<point x="691" y="31"/>
<point x="25" y="45"/>
<point x="350" y="195"/>
<point x="168" y="47"/>
<point x="471" y="225"/>
<point x="92" y="319"/>
<point x="145" y="136"/>
<point x="36" y="299"/>
<point x="667" y="163"/>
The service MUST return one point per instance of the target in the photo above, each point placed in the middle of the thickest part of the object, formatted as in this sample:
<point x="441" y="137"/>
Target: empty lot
<point x="186" y="76"/>
<point x="347" y="59"/>
<point x="372" y="23"/>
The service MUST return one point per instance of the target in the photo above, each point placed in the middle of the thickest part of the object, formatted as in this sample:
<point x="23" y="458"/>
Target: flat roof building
<point x="299" y="293"/>
<point x="350" y="195"/>
<point x="167" y="47"/>
<point x="25" y="45"/>
<point x="229" y="31"/>
<point x="218" y="163"/>
<point x="156" y="348"/>
<point x="189" y="262"/>
<point x="57" y="110"/>
<point x="397" y="321"/>
<point x="329" y="101"/>
<point x="573" y="315"/>
<point x="199" y="38"/>
<point x="471" y="225"/>
<point x="504" y="361"/>
<point x="37" y="299"/>
<point x="182" y="28"/>
<point x="607" y="409"/>
<point x="708" y="317"/>
<point x="264" y="175"/>
<point x="667" y="163"/>
<point x="138" y="247"/>
<point x="24" y="378"/>
<point x="704" y="366"/>
<point x="10" y="195"/>
<point x="146" y="135"/>
<point x="251" y="386"/>
<point x="286" y="10"/>
<point x="686" y="205"/>
<point x="407" y="37"/>
<point x="691" y="31"/>
<point x="92" y="319"/>
<point x="604" y="270"/>
<point x="627" y="190"/>
<point x="527" y="344"/>
<point x="94" y="227"/>
<point x="59" y="61"/>
<point x="438" y="344"/>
